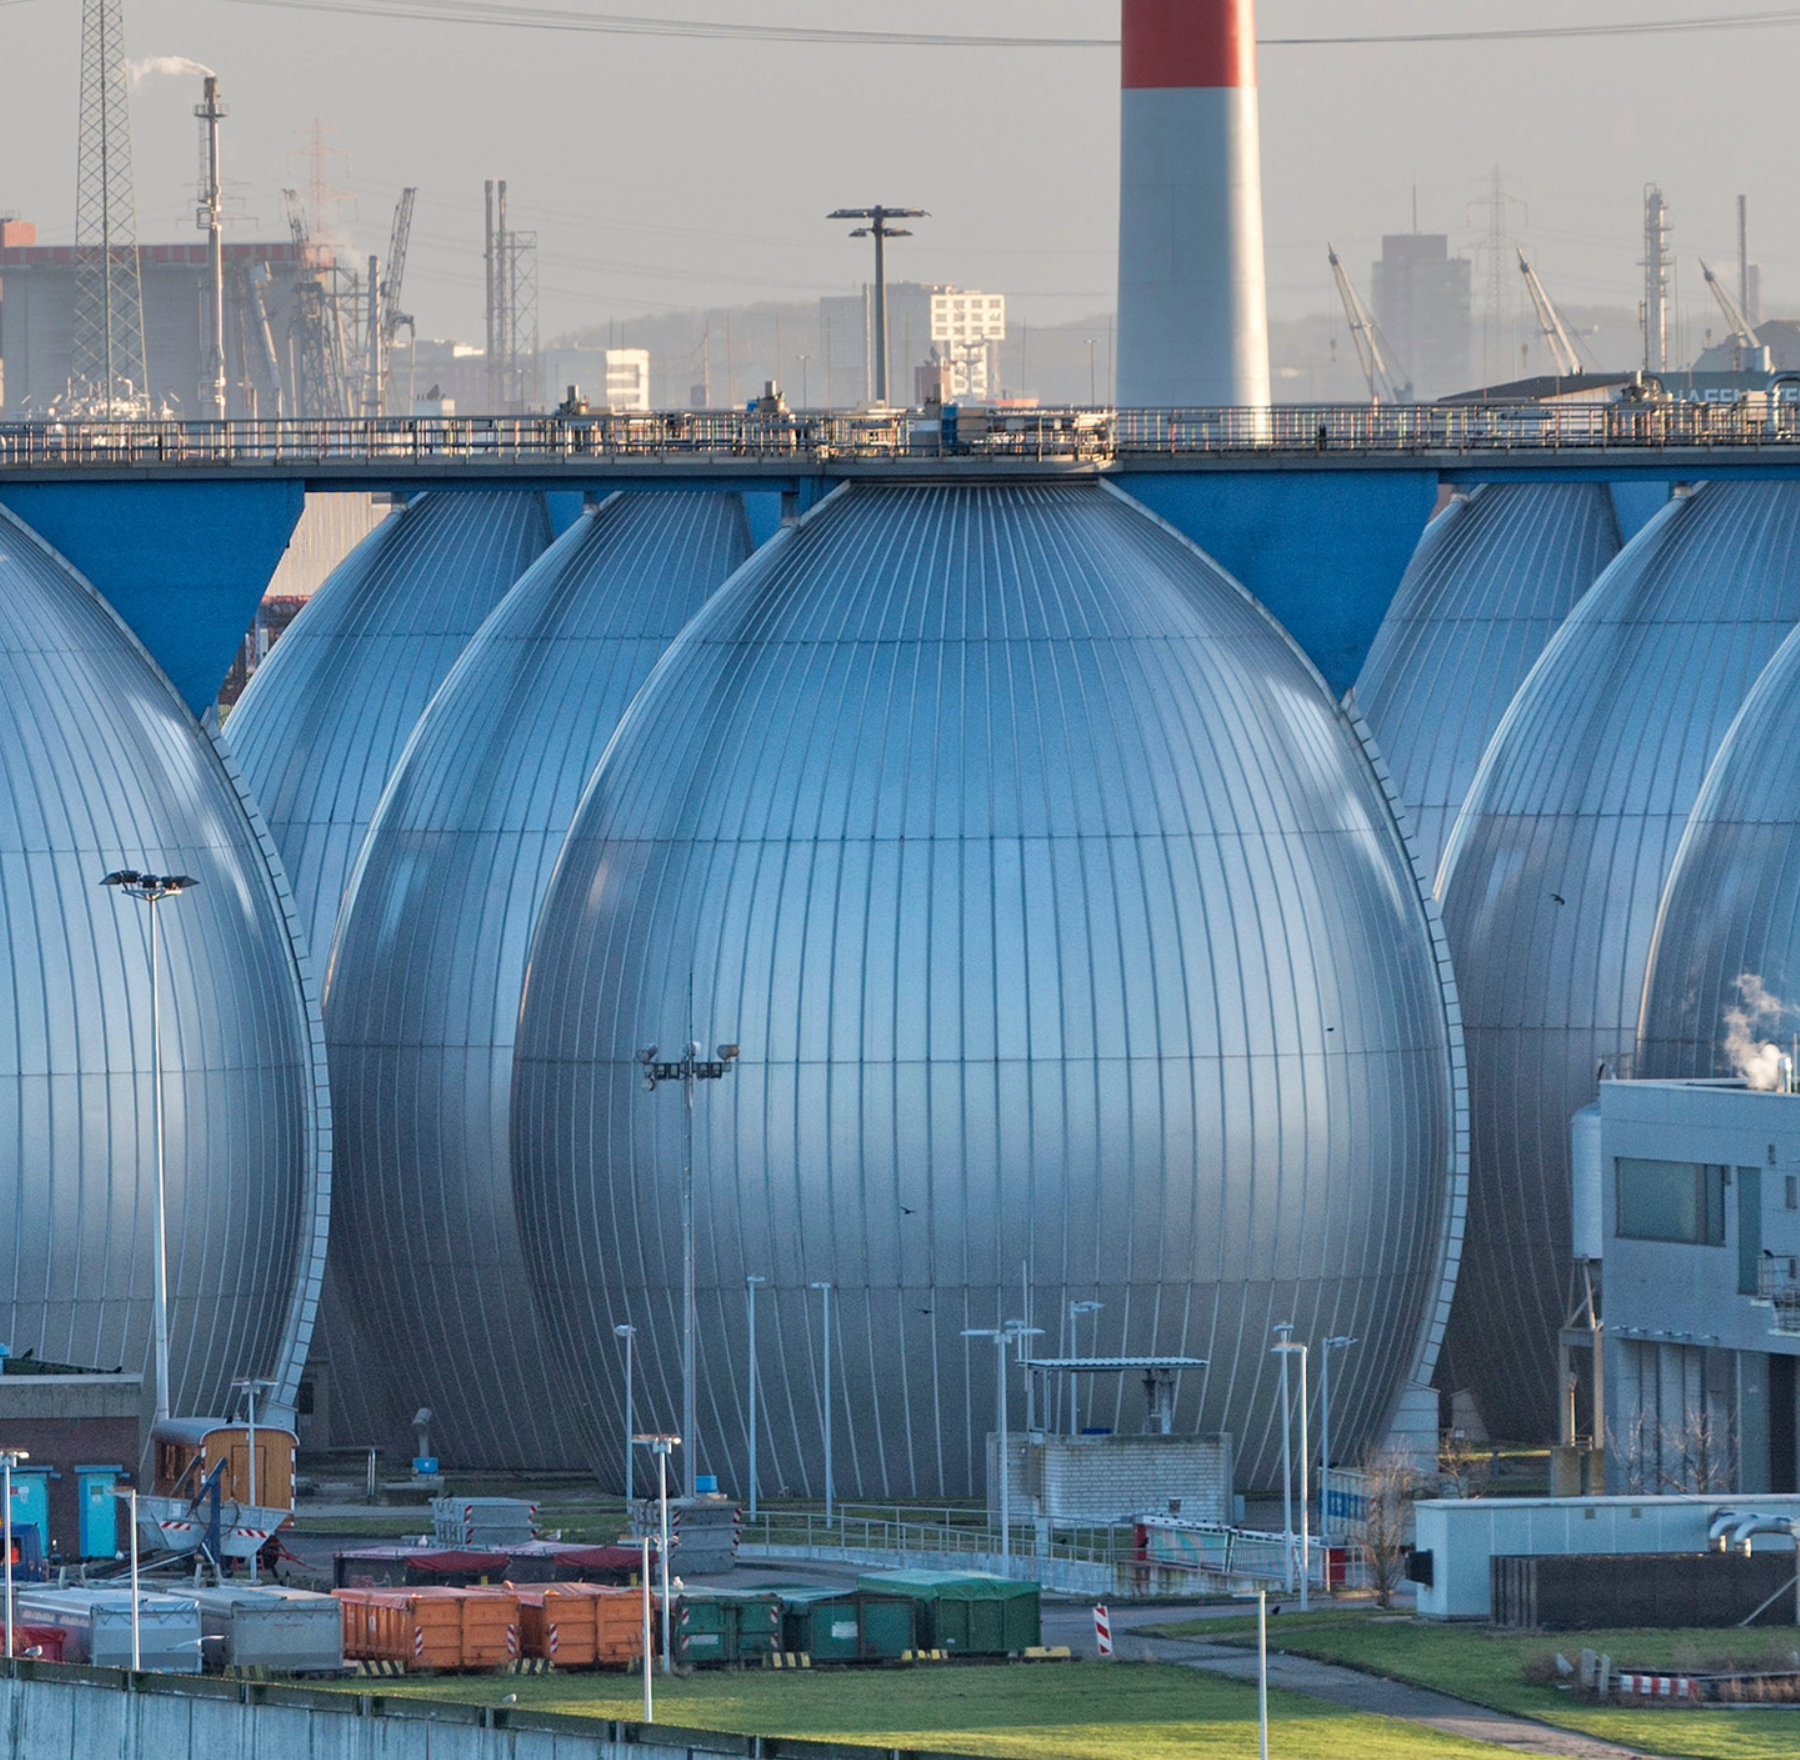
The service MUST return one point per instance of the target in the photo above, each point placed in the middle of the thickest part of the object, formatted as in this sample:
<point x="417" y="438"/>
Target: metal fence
<point x="791" y="439"/>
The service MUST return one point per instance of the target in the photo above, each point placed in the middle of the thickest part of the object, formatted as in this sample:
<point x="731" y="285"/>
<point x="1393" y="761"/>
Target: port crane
<point x="392" y="314"/>
<point x="1550" y="321"/>
<point x="1385" y="384"/>
<point x="1744" y="339"/>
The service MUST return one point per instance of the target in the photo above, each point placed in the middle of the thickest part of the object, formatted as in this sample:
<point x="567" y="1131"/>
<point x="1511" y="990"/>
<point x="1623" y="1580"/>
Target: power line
<point x="551" y="18"/>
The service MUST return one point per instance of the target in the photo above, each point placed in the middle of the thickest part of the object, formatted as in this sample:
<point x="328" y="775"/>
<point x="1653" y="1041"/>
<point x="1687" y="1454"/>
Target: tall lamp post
<point x="688" y="1069"/>
<point x="1340" y="1343"/>
<point x="879" y="230"/>
<point x="628" y="1333"/>
<point x="1286" y="1349"/>
<point x="824" y="1290"/>
<point x="751" y="1285"/>
<point x="1076" y="1310"/>
<point x="660" y="1447"/>
<point x="10" y="1458"/>
<point x="1004" y="1334"/>
<point x="250" y="1389"/>
<point x="152" y="889"/>
<point x="129" y="1499"/>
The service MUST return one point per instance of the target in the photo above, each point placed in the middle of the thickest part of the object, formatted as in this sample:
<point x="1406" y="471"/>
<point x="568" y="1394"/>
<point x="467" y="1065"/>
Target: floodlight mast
<point x="879" y="230"/>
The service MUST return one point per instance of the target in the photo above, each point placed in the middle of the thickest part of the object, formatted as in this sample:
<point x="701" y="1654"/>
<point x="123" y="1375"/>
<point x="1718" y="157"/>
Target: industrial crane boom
<point x="1556" y="333"/>
<point x="393" y="316"/>
<point x="1742" y="333"/>
<point x="1384" y="385"/>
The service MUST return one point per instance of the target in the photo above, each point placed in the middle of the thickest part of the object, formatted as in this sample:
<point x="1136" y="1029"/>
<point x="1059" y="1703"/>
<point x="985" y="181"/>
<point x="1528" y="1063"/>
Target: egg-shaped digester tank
<point x="322" y="723"/>
<point x="1072" y="954"/>
<point x="430" y="964"/>
<point x="1722" y="997"/>
<point x="1492" y="580"/>
<point x="1552" y="879"/>
<point x="102" y="768"/>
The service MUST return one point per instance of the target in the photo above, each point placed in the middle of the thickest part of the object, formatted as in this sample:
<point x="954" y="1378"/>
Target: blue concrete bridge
<point x="1315" y="510"/>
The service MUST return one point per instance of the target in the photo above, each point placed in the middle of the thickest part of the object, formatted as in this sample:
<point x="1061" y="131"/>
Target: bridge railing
<point x="729" y="438"/>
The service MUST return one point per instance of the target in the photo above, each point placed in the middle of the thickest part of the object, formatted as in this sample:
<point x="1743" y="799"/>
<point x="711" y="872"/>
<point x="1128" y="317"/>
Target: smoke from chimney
<point x="1193" y="305"/>
<point x="142" y="70"/>
<point x="1759" y="1061"/>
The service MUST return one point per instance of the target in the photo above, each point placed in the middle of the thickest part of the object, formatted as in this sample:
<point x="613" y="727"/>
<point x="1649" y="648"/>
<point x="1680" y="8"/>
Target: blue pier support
<point x="1323" y="550"/>
<point x="185" y="564"/>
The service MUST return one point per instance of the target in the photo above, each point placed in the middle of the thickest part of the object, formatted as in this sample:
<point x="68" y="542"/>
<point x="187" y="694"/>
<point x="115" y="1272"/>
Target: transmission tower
<point x="107" y="368"/>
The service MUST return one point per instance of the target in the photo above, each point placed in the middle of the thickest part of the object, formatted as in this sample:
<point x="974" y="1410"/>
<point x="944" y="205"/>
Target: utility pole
<point x="1744" y="258"/>
<point x="211" y="220"/>
<point x="879" y="230"/>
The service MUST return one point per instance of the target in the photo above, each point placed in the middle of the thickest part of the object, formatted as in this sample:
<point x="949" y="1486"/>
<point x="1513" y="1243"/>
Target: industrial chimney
<point x="1193" y="309"/>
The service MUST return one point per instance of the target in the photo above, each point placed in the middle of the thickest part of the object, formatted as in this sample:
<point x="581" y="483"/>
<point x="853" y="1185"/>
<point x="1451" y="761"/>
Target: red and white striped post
<point x="1103" y="1631"/>
<point x="1193" y="301"/>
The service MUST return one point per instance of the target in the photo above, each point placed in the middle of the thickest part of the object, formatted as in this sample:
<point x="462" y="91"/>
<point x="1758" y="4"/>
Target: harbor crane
<point x="1550" y="321"/>
<point x="393" y="315"/>
<point x="1385" y="384"/>
<point x="1744" y="339"/>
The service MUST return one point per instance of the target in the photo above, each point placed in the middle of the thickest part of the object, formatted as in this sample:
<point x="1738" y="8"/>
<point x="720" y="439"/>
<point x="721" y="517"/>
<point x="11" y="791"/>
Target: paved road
<point x="1322" y="1680"/>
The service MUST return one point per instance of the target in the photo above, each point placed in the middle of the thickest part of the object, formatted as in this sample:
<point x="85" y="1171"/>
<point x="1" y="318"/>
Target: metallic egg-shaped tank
<point x="1720" y="997"/>
<point x="1073" y="953"/>
<point x="1493" y="578"/>
<point x="430" y="964"/>
<point x="320" y="727"/>
<point x="102" y="768"/>
<point x="1551" y="883"/>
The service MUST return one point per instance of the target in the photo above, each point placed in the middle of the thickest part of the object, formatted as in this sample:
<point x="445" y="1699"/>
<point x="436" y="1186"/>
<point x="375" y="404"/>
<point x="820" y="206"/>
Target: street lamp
<point x="660" y="1447"/>
<point x="1004" y="1334"/>
<point x="1076" y="1310"/>
<point x="129" y="1499"/>
<point x="879" y="230"/>
<point x="628" y="1333"/>
<point x="1284" y="1350"/>
<point x="152" y="889"/>
<point x="824" y="1290"/>
<point x="751" y="1285"/>
<point x="251" y="1389"/>
<point x="10" y="1458"/>
<point x="687" y="1070"/>
<point x="1340" y="1343"/>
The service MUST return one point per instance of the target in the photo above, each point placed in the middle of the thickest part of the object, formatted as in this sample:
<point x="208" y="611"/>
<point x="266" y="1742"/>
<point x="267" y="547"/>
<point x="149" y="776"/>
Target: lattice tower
<point x="107" y="368"/>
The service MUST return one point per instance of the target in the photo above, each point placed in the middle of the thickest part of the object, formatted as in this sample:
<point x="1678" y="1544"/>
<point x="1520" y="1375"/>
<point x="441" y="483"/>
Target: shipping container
<point x="967" y="1613"/>
<point x="96" y="1627"/>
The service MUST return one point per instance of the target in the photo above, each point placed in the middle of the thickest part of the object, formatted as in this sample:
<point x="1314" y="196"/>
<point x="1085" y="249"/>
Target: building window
<point x="1793" y="1191"/>
<point x="1671" y="1201"/>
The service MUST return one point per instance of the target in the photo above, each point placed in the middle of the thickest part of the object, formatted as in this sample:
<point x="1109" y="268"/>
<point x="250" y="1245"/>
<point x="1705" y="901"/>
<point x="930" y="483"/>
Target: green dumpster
<point x="717" y="1626"/>
<point x="845" y="1625"/>
<point x="966" y="1613"/>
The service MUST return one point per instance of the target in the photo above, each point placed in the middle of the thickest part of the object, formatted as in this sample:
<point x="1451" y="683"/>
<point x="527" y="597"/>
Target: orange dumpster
<point x="581" y="1625"/>
<point x="489" y="1622"/>
<point x="431" y="1629"/>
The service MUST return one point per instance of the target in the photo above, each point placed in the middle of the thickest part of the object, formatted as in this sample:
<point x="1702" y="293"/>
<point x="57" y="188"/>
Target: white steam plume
<point x="142" y="70"/>
<point x="1759" y="1011"/>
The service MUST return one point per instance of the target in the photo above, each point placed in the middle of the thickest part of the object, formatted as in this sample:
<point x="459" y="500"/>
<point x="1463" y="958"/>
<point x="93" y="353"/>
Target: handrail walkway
<point x="687" y="442"/>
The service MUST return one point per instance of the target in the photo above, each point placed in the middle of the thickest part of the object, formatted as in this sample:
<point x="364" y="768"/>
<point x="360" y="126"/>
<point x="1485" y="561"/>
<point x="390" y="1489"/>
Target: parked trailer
<point x="96" y="1627"/>
<point x="967" y="1613"/>
<point x="582" y="1625"/>
<point x="289" y="1631"/>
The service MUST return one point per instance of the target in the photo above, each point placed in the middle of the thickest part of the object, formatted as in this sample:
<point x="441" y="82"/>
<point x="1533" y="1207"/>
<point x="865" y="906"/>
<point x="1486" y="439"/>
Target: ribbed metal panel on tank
<point x="1728" y="935"/>
<point x="1493" y="578"/>
<point x="430" y="965"/>
<point x="322" y="724"/>
<point x="1072" y="952"/>
<point x="102" y="767"/>
<point x="1552" y="879"/>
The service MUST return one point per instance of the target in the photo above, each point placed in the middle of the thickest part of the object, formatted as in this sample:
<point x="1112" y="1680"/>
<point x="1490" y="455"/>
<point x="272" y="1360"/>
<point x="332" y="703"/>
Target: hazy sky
<point x="677" y="173"/>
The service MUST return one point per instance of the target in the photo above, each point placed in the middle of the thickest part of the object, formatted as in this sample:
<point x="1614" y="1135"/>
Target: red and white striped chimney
<point x="1193" y="306"/>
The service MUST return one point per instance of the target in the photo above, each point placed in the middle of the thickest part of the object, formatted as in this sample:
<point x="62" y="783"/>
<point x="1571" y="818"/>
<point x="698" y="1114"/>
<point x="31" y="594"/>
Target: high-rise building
<point x="1422" y="303"/>
<point x="928" y="321"/>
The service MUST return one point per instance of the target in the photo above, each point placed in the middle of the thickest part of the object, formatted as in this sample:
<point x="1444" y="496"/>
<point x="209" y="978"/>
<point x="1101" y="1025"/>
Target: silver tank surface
<point x="1551" y="883"/>
<point x="424" y="999"/>
<point x="1723" y="993"/>
<point x="1492" y="580"/>
<point x="103" y="768"/>
<point x="1073" y="954"/>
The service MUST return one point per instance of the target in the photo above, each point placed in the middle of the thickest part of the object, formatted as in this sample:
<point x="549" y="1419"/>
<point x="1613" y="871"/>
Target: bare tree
<point x="1393" y="1487"/>
<point x="1468" y="1468"/>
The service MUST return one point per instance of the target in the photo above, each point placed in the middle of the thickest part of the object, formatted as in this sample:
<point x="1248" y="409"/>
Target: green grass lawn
<point x="1489" y="1668"/>
<point x="1052" y="1711"/>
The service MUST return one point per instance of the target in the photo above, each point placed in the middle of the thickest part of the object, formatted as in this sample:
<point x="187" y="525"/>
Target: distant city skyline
<point x="668" y="174"/>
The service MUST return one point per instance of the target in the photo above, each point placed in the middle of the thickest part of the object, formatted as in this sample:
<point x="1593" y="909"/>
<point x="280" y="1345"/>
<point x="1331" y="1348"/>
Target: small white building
<point x="628" y="380"/>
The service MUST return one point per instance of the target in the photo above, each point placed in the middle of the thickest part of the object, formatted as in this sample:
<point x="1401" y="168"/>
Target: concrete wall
<point x="1108" y="1480"/>
<point x="1463" y="1535"/>
<point x="49" y="1713"/>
